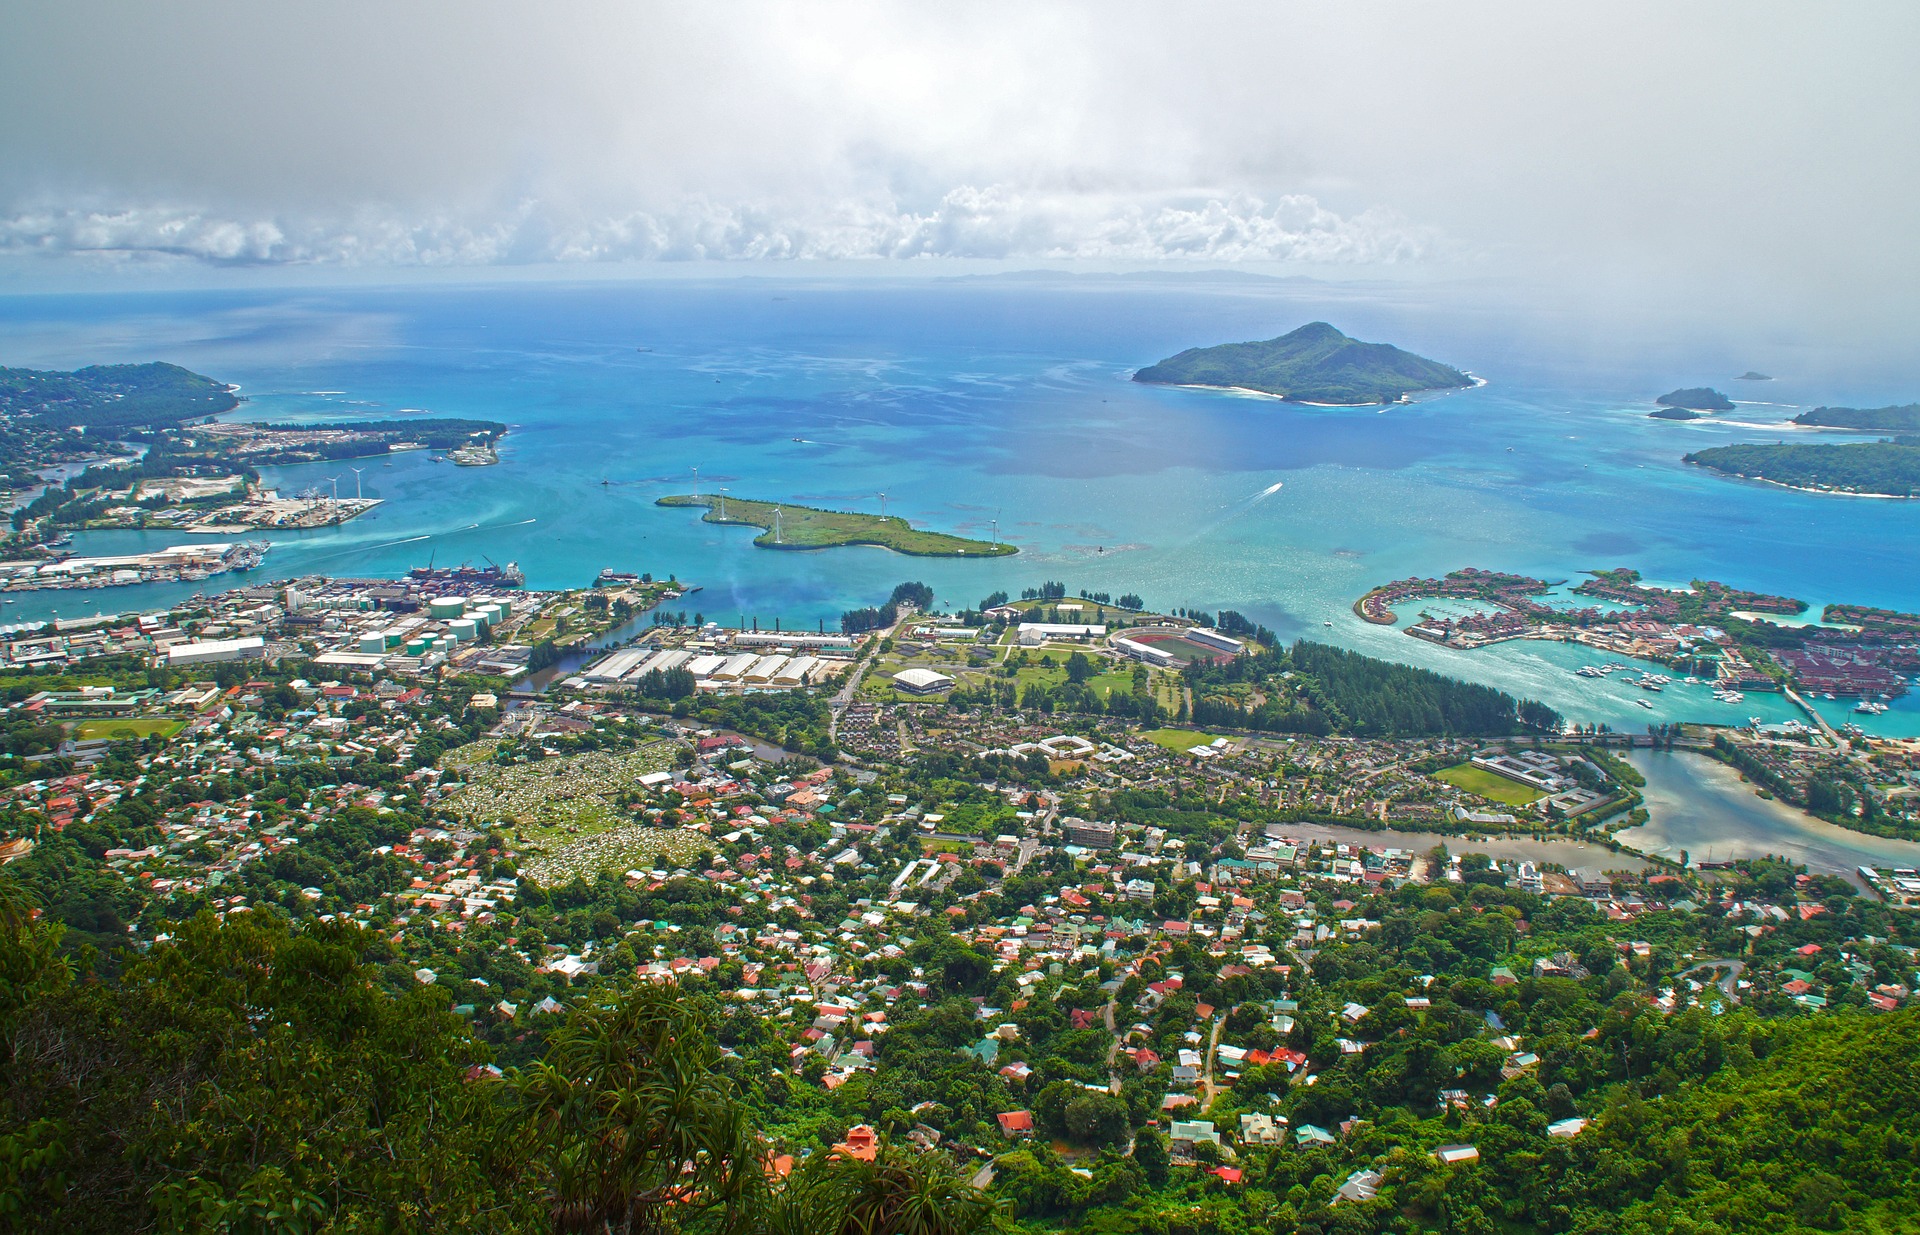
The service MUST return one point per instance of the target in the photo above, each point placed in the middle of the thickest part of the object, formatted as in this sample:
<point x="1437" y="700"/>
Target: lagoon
<point x="1701" y="807"/>
<point x="974" y="400"/>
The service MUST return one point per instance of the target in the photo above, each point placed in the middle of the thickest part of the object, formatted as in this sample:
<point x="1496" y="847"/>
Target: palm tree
<point x="636" y="1127"/>
<point x="896" y="1193"/>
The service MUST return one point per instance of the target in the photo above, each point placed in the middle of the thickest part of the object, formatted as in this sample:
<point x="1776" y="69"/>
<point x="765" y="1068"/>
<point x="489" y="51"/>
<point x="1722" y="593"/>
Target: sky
<point x="1713" y="151"/>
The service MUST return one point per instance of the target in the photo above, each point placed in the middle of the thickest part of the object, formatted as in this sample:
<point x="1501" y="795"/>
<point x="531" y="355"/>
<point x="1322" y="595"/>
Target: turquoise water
<point x="970" y="400"/>
<point x="1702" y="808"/>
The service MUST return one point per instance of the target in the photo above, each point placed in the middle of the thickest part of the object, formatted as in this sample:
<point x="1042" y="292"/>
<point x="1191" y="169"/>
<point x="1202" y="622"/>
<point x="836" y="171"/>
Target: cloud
<point x="996" y="222"/>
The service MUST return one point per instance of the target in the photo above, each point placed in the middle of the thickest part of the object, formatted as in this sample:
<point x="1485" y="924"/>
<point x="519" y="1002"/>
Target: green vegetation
<point x="1697" y="399"/>
<point x="105" y="397"/>
<point x="1677" y="413"/>
<point x="1889" y="469"/>
<point x="1318" y="689"/>
<point x="1179" y="741"/>
<point x="128" y="727"/>
<point x="1903" y="418"/>
<point x="548" y="798"/>
<point x="248" y="1076"/>
<point x="1314" y="364"/>
<point x="1489" y="785"/>
<point x="805" y="527"/>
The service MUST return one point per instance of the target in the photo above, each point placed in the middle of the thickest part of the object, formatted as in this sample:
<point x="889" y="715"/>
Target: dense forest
<point x="1314" y="364"/>
<point x="1316" y="688"/>
<point x="113" y="396"/>
<point x="1891" y="468"/>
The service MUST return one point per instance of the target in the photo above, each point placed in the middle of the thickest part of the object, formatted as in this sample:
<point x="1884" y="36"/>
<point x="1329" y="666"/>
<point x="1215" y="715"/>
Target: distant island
<point x="1751" y="376"/>
<point x="1314" y="364"/>
<point x="1877" y="469"/>
<point x="1904" y="418"/>
<point x="805" y="527"/>
<point x="117" y="396"/>
<point x="1696" y="399"/>
<point x="1677" y="413"/>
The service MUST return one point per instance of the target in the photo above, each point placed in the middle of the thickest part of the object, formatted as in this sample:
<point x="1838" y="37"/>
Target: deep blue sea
<point x="975" y="399"/>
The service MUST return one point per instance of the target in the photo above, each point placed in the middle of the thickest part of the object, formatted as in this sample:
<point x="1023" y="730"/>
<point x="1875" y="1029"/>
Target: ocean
<point x="975" y="400"/>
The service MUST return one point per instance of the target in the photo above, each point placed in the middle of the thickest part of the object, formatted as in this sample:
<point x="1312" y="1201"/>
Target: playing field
<point x="1179" y="741"/>
<point x="1489" y="785"/>
<point x="127" y="727"/>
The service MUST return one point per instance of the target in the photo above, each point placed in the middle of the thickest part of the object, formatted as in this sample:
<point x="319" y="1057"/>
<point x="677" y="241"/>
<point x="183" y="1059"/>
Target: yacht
<point x="1643" y="703"/>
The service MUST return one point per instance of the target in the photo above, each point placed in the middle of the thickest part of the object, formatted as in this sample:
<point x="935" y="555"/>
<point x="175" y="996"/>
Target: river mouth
<point x="1701" y="807"/>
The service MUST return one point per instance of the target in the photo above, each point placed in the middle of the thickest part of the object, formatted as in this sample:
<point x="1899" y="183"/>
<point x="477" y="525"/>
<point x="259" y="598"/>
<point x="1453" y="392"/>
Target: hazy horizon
<point x="1747" y="161"/>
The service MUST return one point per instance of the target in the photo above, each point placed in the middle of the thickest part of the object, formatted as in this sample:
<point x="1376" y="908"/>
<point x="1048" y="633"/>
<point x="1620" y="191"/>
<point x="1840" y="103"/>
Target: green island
<point x="1873" y="469"/>
<point x="1314" y="364"/>
<point x="1696" y="399"/>
<point x="113" y="396"/>
<point x="788" y="526"/>
<point x="1904" y="418"/>
<point x="1677" y="413"/>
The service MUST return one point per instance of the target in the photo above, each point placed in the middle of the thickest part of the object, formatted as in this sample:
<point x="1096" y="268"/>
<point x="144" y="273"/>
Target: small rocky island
<point x="1315" y="364"/>
<point x="1692" y="399"/>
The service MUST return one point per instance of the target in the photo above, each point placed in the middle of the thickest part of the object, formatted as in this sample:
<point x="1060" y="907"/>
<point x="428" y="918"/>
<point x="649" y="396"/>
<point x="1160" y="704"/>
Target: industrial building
<point x="922" y="681"/>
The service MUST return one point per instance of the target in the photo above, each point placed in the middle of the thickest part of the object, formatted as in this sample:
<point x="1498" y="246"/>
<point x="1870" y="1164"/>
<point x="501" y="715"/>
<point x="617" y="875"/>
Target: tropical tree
<point x="896" y="1192"/>
<point x="634" y="1126"/>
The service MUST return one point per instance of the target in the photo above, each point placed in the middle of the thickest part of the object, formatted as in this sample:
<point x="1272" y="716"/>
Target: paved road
<point x="1206" y="1077"/>
<point x="1727" y="983"/>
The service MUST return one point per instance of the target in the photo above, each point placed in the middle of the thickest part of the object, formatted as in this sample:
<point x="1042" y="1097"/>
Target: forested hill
<point x="1890" y="469"/>
<point x="1904" y="418"/>
<point x="1314" y="364"/>
<point x="1317" y="688"/>
<point x="113" y="396"/>
<point x="1808" y="1127"/>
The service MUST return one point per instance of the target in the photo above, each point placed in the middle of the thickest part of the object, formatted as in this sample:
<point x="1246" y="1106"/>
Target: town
<point x="933" y="889"/>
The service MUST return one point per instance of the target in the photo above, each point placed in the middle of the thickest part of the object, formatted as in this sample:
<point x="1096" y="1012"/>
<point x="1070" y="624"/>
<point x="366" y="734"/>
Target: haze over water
<point x="969" y="399"/>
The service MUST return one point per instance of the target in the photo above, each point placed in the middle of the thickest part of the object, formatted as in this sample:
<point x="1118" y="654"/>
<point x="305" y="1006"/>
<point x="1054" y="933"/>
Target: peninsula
<point x="1314" y="364"/>
<point x="1868" y="469"/>
<point x="1901" y="419"/>
<point x="788" y="526"/>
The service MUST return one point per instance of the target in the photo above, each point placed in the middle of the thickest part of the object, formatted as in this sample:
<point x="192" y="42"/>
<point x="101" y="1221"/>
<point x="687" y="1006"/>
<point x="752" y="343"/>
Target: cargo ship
<point x="468" y="578"/>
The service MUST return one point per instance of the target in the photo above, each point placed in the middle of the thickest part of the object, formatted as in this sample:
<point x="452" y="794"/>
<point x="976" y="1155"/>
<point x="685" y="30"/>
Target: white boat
<point x="1643" y="703"/>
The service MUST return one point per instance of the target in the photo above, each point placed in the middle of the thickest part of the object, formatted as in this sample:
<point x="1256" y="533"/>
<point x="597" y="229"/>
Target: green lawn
<point x="805" y="527"/>
<point x="1490" y="785"/>
<point x="130" y="726"/>
<point x="1179" y="741"/>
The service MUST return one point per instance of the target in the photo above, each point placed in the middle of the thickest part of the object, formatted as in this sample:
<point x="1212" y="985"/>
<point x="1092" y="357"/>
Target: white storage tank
<point x="462" y="630"/>
<point x="444" y="607"/>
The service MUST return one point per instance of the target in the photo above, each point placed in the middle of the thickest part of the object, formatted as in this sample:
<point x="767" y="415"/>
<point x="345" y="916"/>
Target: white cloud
<point x="994" y="222"/>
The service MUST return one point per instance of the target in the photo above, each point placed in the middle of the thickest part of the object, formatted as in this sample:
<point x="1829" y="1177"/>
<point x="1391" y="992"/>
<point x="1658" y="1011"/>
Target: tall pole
<point x="356" y="482"/>
<point x="776" y="525"/>
<point x="723" y="505"/>
<point x="335" y="482"/>
<point x="883" y="505"/>
<point x="696" y="482"/>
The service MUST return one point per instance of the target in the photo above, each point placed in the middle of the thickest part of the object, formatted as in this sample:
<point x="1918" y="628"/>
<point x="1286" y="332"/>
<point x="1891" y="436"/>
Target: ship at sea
<point x="467" y="577"/>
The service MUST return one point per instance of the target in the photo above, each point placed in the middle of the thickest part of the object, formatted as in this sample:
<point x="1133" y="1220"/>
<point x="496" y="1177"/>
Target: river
<point x="1572" y="854"/>
<point x="1702" y="807"/>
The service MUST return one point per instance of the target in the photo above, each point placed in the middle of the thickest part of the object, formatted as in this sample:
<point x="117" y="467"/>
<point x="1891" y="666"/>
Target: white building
<point x="211" y="651"/>
<point x="921" y="681"/>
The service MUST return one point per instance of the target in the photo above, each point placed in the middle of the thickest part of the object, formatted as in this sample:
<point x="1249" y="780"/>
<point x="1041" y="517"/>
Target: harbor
<point x="173" y="564"/>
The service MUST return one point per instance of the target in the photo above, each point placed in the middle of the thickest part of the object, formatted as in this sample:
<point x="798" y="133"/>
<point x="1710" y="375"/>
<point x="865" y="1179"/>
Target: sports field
<point x="1489" y="785"/>
<point x="1178" y="740"/>
<point x="127" y="727"/>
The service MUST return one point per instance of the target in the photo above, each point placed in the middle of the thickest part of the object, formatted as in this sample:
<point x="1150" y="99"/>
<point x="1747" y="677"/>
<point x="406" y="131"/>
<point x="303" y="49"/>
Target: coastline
<point x="1411" y="397"/>
<point x="1781" y="484"/>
